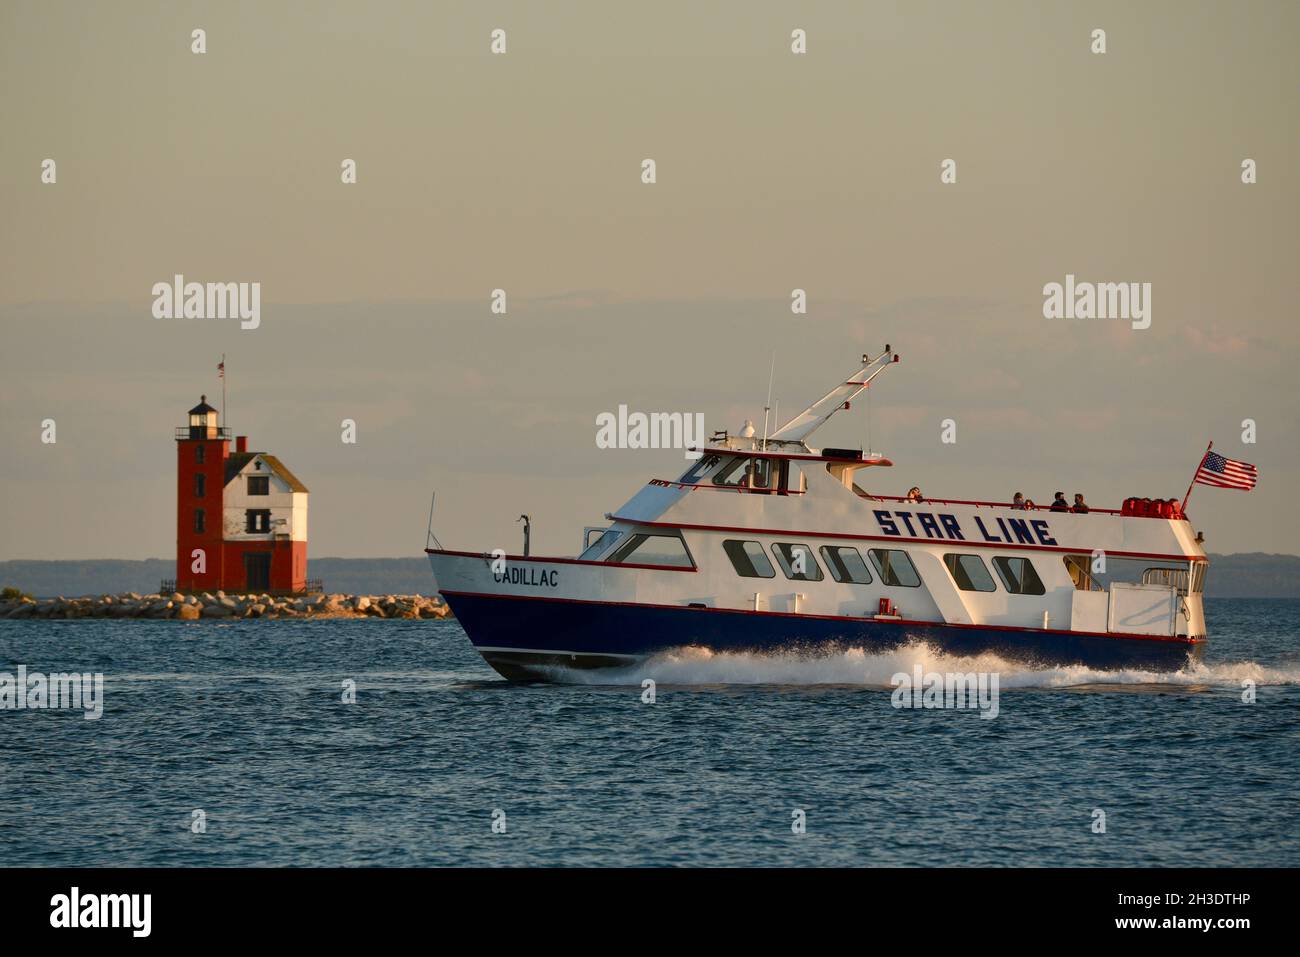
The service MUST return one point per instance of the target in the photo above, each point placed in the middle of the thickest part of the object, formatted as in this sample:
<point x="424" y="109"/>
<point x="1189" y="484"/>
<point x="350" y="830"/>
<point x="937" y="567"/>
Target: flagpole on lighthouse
<point x="1183" y="507"/>
<point x="222" y="369"/>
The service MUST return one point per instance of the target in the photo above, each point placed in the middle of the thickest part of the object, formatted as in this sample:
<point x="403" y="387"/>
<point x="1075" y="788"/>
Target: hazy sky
<point x="523" y="172"/>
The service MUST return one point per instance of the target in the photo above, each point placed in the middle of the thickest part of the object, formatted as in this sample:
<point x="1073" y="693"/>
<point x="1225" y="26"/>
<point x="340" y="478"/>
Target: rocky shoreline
<point x="218" y="605"/>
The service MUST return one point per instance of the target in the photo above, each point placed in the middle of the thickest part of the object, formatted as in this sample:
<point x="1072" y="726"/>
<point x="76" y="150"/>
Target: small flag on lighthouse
<point x="1222" y="472"/>
<point x="221" y="368"/>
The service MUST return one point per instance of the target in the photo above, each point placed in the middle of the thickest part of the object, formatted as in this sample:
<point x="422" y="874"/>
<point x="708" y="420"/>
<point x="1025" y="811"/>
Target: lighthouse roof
<point x="237" y="460"/>
<point x="202" y="408"/>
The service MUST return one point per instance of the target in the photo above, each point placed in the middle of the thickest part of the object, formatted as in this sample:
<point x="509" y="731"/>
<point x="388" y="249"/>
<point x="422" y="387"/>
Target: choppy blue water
<point x="245" y="721"/>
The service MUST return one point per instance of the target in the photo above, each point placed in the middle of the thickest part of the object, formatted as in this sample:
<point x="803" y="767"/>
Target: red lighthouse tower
<point x="241" y="517"/>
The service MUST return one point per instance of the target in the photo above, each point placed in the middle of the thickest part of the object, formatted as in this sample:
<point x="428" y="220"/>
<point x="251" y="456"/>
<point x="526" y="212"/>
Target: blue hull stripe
<point x="564" y="628"/>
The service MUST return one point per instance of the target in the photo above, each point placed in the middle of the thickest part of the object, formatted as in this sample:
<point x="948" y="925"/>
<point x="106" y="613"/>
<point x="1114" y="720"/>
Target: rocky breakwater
<point x="220" y="605"/>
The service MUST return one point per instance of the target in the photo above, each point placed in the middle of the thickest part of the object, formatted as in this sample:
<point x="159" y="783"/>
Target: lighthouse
<point x="241" y="516"/>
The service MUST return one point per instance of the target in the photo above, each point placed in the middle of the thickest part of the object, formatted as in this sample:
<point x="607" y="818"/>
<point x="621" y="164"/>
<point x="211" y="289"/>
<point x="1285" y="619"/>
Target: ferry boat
<point x="767" y="544"/>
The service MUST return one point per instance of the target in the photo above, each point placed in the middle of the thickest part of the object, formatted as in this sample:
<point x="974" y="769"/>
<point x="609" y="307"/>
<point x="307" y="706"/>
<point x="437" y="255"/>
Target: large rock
<point x="217" y="611"/>
<point x="187" y="612"/>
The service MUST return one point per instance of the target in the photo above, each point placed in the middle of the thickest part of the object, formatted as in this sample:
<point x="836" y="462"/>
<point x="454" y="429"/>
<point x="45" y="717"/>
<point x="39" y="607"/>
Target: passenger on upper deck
<point x="1060" y="504"/>
<point x="914" y="494"/>
<point x="1018" y="502"/>
<point x="1080" y="505"/>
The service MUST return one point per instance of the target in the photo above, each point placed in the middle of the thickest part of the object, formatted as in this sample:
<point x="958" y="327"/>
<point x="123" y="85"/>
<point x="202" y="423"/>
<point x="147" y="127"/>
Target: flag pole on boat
<point x="1183" y="507"/>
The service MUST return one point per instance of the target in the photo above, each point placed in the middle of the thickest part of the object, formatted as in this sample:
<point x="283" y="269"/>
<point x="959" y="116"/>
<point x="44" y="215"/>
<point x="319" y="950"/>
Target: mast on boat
<point x="816" y="415"/>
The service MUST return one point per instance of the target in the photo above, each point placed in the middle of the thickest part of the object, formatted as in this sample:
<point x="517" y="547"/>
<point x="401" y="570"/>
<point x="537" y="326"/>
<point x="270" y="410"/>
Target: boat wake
<point x="853" y="666"/>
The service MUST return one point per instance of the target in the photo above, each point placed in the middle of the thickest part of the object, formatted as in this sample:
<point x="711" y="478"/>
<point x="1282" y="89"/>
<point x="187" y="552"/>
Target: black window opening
<point x="198" y="454"/>
<point x="645" y="548"/>
<point x="259" y="485"/>
<point x="797" y="562"/>
<point x="748" y="559"/>
<point x="1018" y="575"/>
<point x="199" y="523"/>
<point x="969" y="572"/>
<point x="200" y="486"/>
<point x="895" y="567"/>
<point x="257" y="521"/>
<point x="846" y="564"/>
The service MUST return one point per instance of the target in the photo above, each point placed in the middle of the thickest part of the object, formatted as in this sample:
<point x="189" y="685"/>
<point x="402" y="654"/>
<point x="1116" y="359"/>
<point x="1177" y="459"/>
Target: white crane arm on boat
<point x="812" y="418"/>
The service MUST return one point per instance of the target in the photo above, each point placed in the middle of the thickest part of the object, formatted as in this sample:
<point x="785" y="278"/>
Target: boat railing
<point x="978" y="504"/>
<point x="664" y="483"/>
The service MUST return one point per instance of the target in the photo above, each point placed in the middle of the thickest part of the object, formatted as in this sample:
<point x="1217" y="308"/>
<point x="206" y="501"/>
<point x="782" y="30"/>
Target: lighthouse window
<point x="969" y="572"/>
<point x="198" y="521"/>
<point x="257" y="520"/>
<point x="749" y="559"/>
<point x="797" y="562"/>
<point x="200" y="485"/>
<point x="259" y="485"/>
<point x="645" y="549"/>
<point x="846" y="564"/>
<point x="198" y="454"/>
<point x="1018" y="575"/>
<point x="894" y="567"/>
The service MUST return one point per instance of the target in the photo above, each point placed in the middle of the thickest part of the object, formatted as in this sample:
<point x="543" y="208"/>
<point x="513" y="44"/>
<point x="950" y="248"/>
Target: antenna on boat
<point x="428" y="532"/>
<point x="771" y="374"/>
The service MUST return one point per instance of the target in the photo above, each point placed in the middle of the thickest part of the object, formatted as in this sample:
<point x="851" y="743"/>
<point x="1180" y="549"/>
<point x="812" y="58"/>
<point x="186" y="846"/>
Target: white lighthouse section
<point x="264" y="502"/>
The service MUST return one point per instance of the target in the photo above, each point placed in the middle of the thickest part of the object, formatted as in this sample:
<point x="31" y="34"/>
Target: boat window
<point x="1018" y="575"/>
<point x="794" y="481"/>
<point x="606" y="539"/>
<point x="969" y="572"/>
<point x="797" y="562"/>
<point x="894" y="567"/>
<point x="646" y="549"/>
<point x="746" y="473"/>
<point x="846" y="564"/>
<point x="749" y="559"/>
<point x="1079" y="568"/>
<point x="700" y="469"/>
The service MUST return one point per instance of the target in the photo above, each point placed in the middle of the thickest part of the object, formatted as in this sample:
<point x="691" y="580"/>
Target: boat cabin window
<point x="700" y="469"/>
<point x="895" y="567"/>
<point x="1018" y="575"/>
<point x="749" y="559"/>
<point x="745" y="473"/>
<point x="797" y="562"/>
<point x="1079" y="567"/>
<point x="969" y="572"/>
<point x="846" y="564"/>
<point x="606" y="539"/>
<point x="793" y="480"/>
<point x="644" y="548"/>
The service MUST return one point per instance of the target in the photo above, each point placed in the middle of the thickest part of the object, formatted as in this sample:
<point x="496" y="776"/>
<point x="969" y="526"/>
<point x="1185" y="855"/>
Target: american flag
<point x="221" y="368"/>
<point x="1222" y="472"/>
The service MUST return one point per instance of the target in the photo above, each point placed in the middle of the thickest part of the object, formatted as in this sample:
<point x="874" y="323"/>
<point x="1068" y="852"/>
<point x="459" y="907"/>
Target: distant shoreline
<point x="1240" y="575"/>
